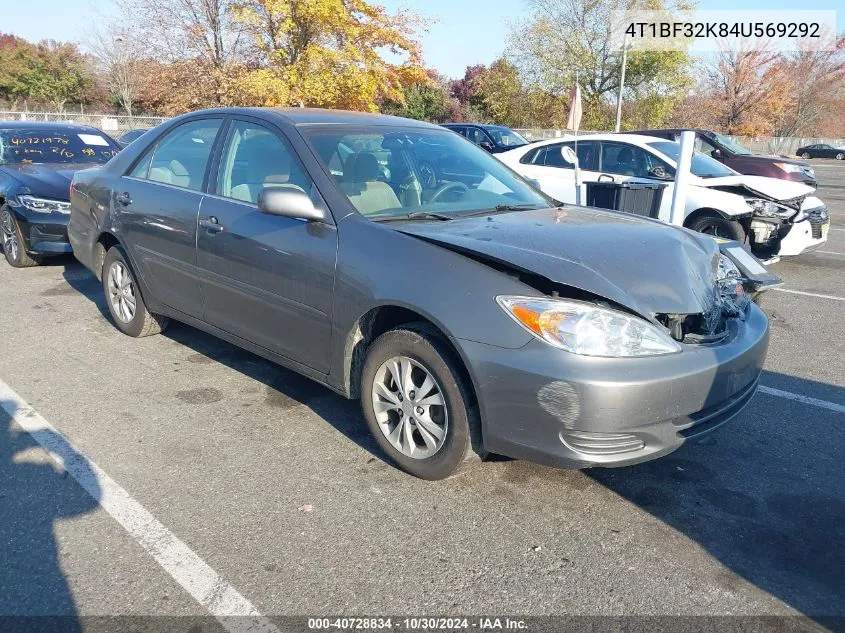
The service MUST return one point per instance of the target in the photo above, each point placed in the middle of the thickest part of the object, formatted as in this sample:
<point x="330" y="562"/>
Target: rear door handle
<point x="212" y="225"/>
<point x="124" y="198"/>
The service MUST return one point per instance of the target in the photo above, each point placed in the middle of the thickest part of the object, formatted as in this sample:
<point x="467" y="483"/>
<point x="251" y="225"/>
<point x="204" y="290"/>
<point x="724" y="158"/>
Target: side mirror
<point x="487" y="145"/>
<point x="716" y="153"/>
<point x="289" y="203"/>
<point x="569" y="155"/>
<point x="660" y="173"/>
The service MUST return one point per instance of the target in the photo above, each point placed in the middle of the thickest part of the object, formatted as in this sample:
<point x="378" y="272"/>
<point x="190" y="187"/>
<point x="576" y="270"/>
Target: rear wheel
<point x="123" y="297"/>
<point x="717" y="226"/>
<point x="13" y="242"/>
<point x="416" y="404"/>
<point x="840" y="156"/>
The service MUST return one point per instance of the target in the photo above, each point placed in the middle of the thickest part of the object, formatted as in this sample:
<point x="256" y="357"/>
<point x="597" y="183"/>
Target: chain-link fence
<point x="785" y="145"/>
<point x="111" y="124"/>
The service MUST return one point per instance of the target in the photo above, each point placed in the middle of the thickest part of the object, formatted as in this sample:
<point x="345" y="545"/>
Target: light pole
<point x="621" y="83"/>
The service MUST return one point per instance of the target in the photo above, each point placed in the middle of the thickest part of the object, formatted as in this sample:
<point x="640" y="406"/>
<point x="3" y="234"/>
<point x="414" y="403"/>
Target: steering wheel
<point x="447" y="187"/>
<point x="428" y="175"/>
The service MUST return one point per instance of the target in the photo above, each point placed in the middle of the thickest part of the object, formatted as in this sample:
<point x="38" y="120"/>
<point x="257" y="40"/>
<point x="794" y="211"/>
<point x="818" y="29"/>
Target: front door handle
<point x="608" y="178"/>
<point x="212" y="225"/>
<point x="124" y="198"/>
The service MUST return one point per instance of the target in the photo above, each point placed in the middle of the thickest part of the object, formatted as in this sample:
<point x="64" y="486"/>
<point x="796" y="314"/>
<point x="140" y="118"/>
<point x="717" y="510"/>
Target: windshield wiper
<point x="501" y="208"/>
<point x="416" y="215"/>
<point x="525" y="206"/>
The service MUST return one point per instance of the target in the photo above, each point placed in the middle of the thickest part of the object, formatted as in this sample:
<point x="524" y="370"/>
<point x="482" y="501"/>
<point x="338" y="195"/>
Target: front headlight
<point x="726" y="269"/>
<point x="789" y="168"/>
<point x="44" y="205"/>
<point x="587" y="329"/>
<point x="769" y="208"/>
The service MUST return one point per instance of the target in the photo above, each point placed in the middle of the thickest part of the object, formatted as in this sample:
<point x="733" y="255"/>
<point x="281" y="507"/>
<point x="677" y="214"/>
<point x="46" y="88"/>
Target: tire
<point x="806" y="155"/>
<point x="456" y="418"/>
<point x="840" y="156"/>
<point x="121" y="289"/>
<point x="13" y="242"/>
<point x="716" y="225"/>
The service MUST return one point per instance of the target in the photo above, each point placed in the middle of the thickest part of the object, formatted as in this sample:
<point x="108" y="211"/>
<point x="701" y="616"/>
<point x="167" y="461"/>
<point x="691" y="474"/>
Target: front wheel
<point x="717" y="226"/>
<point x="14" y="247"/>
<point x="806" y="155"/>
<point x="123" y="297"/>
<point x="416" y="404"/>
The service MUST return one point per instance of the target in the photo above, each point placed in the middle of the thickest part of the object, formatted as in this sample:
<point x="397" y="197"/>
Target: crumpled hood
<point x="773" y="189"/>
<point x="647" y="266"/>
<point x="47" y="180"/>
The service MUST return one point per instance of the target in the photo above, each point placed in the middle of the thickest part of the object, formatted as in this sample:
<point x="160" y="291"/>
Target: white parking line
<point x="230" y="608"/>
<point x="835" y="229"/>
<point x="824" y="404"/>
<point x="830" y="252"/>
<point x="809" y="294"/>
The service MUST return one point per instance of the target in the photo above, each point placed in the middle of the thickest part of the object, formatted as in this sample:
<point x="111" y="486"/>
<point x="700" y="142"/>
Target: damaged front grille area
<point x="728" y="300"/>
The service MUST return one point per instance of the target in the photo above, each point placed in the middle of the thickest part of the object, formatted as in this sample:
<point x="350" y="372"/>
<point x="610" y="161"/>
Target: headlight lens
<point x="588" y="329"/>
<point x="769" y="208"/>
<point x="44" y="205"/>
<point x="726" y="269"/>
<point x="789" y="168"/>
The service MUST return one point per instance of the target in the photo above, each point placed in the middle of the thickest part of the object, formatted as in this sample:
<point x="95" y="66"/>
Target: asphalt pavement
<point x="223" y="485"/>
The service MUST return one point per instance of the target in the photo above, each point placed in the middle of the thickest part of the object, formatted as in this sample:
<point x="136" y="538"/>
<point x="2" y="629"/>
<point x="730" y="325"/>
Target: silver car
<point x="397" y="263"/>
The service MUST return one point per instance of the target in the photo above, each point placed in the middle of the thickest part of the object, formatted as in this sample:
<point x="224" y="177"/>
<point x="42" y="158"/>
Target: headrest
<point x="366" y="168"/>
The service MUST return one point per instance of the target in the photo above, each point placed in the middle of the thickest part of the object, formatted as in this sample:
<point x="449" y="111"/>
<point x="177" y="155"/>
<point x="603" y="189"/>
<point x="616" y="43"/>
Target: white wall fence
<point x="111" y="124"/>
<point x="786" y="145"/>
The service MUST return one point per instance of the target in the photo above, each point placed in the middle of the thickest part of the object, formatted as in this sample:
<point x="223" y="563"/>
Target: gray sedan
<point x="396" y="262"/>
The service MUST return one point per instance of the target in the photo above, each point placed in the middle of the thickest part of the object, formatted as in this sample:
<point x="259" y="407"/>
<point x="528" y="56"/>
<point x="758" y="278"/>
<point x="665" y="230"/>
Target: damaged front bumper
<point x="541" y="404"/>
<point x="774" y="237"/>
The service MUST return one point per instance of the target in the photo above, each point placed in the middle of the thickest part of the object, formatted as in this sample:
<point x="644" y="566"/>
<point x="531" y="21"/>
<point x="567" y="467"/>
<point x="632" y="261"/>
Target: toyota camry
<point x="397" y="263"/>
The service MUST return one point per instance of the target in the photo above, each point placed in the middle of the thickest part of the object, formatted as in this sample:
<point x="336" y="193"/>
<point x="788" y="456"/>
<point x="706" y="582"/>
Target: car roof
<point x="319" y="116"/>
<point x="635" y="139"/>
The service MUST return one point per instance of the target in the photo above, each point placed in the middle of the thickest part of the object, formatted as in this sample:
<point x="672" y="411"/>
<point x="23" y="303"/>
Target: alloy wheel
<point x="10" y="236"/>
<point x="840" y="156"/>
<point x="409" y="406"/>
<point x="121" y="292"/>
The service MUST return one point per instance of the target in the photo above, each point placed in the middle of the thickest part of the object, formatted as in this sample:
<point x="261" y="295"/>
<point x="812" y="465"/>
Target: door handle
<point x="608" y="177"/>
<point x="124" y="198"/>
<point x="212" y="225"/>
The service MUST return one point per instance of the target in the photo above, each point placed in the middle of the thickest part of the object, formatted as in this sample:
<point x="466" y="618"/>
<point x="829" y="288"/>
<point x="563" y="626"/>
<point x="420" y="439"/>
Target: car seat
<point x="361" y="184"/>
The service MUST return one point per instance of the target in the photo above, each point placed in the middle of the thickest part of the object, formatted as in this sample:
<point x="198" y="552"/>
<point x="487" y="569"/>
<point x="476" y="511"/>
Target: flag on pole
<point x="574" y="120"/>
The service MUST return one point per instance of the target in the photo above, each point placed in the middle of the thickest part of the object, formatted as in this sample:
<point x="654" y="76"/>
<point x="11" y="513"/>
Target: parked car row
<point x="397" y="263"/>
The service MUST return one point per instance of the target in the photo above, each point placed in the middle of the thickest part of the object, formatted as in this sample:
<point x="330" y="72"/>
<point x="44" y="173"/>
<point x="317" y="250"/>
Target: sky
<point x="462" y="33"/>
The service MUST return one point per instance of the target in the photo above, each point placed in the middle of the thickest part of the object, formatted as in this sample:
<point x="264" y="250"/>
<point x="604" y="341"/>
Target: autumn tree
<point x="53" y="73"/>
<point x="567" y="41"/>
<point x="746" y="86"/>
<point x="510" y="101"/>
<point x="815" y="80"/>
<point x="330" y="53"/>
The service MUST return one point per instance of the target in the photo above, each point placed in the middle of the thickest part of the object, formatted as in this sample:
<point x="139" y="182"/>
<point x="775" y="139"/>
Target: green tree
<point x="564" y="41"/>
<point x="56" y="73"/>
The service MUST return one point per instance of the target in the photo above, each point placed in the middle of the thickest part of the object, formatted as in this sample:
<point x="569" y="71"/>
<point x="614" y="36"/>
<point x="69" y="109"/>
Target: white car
<point x="776" y="217"/>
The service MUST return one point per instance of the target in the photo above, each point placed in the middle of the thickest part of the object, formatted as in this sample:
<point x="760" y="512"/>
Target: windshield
<point x="506" y="137"/>
<point x="702" y="165"/>
<point x="20" y="146"/>
<point x="733" y="146"/>
<point x="389" y="172"/>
